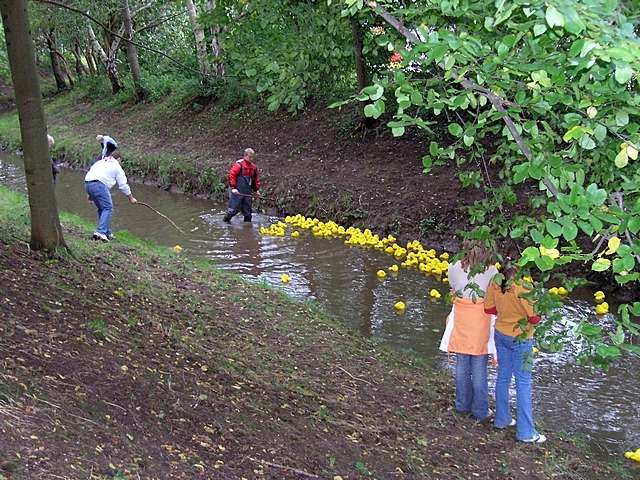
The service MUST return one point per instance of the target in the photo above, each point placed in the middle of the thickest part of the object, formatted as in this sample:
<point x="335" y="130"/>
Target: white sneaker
<point x="100" y="236"/>
<point x="512" y="423"/>
<point x="539" y="438"/>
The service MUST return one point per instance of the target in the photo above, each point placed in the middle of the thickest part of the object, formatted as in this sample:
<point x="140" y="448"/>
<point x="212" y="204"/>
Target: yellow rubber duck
<point x="399" y="306"/>
<point x="177" y="249"/>
<point x="599" y="296"/>
<point x="284" y="278"/>
<point x="434" y="293"/>
<point x="554" y="291"/>
<point x="536" y="350"/>
<point x="394" y="268"/>
<point x="562" y="291"/>
<point x="295" y="234"/>
<point x="602" y="308"/>
<point x="631" y="455"/>
<point x="381" y="274"/>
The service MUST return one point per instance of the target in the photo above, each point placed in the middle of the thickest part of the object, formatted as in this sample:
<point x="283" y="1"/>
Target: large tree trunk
<point x="46" y="232"/>
<point x="361" y="64"/>
<point x="198" y="33"/>
<point x="132" y="53"/>
<point x="109" y="62"/>
<point x="216" y="44"/>
<point x="58" y="73"/>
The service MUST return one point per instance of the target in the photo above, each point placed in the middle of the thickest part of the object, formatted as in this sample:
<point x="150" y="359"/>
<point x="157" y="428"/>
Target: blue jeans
<point x="515" y="358"/>
<point x="100" y="195"/>
<point x="472" y="393"/>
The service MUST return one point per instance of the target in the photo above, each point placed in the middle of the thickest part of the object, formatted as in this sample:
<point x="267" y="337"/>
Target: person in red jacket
<point x="244" y="180"/>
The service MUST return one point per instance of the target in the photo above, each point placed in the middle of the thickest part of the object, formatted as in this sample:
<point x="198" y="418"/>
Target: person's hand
<point x="132" y="199"/>
<point x="235" y="191"/>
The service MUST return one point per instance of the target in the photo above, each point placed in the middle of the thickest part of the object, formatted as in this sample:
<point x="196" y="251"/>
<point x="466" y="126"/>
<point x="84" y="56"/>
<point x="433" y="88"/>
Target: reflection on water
<point x="568" y="397"/>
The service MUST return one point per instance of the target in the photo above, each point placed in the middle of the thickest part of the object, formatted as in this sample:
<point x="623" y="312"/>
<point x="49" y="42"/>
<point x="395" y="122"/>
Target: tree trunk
<point x="198" y="33"/>
<point x="216" y="44"/>
<point x="77" y="54"/>
<point x="88" y="54"/>
<point x="46" y="232"/>
<point x="132" y="53"/>
<point x="109" y="62"/>
<point x="58" y="73"/>
<point x="361" y="64"/>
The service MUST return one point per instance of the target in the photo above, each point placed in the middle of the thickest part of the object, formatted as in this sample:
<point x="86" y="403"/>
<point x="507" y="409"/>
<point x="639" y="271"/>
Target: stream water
<point x="604" y="407"/>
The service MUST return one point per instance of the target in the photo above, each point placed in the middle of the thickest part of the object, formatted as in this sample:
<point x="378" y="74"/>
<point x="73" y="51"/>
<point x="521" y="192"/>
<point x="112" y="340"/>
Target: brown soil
<point x="124" y="364"/>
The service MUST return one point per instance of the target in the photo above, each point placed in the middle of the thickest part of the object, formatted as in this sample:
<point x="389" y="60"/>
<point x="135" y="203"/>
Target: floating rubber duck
<point x="434" y="294"/>
<point x="554" y="291"/>
<point x="599" y="296"/>
<point x="631" y="455"/>
<point x="602" y="308"/>
<point x="399" y="306"/>
<point x="177" y="249"/>
<point x="562" y="292"/>
<point x="381" y="274"/>
<point x="394" y="268"/>
<point x="295" y="234"/>
<point x="284" y="278"/>
<point x="536" y="350"/>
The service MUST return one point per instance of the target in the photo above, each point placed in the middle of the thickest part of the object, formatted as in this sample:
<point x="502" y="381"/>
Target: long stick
<point x="256" y="196"/>
<point x="162" y="215"/>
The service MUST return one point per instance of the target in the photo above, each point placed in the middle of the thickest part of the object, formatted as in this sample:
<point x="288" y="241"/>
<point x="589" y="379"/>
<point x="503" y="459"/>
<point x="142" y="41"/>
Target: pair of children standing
<point x="472" y="335"/>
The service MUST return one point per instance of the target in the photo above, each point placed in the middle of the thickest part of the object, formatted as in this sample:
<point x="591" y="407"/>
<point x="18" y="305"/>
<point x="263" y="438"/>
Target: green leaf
<point x="468" y="140"/>
<point x="397" y="131"/>
<point x="530" y="253"/>
<point x="544" y="263"/>
<point x="569" y="231"/>
<point x="623" y="73"/>
<point x="371" y="111"/>
<point x="553" y="228"/>
<point x="587" y="142"/>
<point x="539" y="29"/>
<point x="573" y="22"/>
<point x="601" y="264"/>
<point x="608" y="352"/>
<point x="455" y="130"/>
<point x="622" y="118"/>
<point x="427" y="164"/>
<point x="600" y="132"/>
<point x="554" y="17"/>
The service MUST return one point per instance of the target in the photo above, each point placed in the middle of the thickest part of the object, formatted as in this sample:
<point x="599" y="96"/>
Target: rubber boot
<point x="247" y="219"/>
<point x="227" y="218"/>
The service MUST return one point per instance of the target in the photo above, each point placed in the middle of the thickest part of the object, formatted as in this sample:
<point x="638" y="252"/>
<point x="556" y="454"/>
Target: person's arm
<point x="121" y="180"/>
<point x="532" y="316"/>
<point x="490" y="300"/>
<point x="233" y="177"/>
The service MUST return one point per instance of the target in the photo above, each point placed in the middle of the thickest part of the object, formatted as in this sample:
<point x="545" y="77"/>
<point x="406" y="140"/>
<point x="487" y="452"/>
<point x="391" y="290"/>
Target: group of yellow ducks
<point x="413" y="255"/>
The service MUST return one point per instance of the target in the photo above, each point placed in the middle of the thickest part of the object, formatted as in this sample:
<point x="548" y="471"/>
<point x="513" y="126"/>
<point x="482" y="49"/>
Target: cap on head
<point x="99" y="138"/>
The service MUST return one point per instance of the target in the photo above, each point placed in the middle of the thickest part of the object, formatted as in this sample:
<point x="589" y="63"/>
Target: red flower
<point x="395" y="58"/>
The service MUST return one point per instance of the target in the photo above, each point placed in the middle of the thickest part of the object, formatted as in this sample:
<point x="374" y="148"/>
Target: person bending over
<point x="100" y="178"/>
